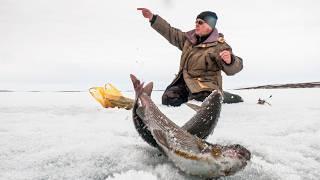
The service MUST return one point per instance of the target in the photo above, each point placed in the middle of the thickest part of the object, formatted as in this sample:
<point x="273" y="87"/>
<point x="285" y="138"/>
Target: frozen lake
<point x="50" y="135"/>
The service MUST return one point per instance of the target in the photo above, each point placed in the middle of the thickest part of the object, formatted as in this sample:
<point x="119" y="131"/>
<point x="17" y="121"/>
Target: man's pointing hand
<point x="146" y="13"/>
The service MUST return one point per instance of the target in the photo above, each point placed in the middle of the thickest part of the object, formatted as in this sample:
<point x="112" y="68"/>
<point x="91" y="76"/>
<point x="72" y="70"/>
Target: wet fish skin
<point x="205" y="120"/>
<point x="201" y="124"/>
<point x="140" y="126"/>
<point x="188" y="152"/>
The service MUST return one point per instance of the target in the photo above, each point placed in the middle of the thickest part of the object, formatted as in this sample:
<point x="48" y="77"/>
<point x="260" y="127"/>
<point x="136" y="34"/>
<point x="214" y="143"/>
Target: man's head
<point x="205" y="23"/>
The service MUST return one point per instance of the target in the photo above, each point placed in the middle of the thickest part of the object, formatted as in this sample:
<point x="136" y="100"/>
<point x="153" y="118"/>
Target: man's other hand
<point x="226" y="56"/>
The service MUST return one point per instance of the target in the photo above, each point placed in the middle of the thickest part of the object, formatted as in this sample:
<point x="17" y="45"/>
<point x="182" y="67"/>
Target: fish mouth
<point x="241" y="151"/>
<point x="244" y="152"/>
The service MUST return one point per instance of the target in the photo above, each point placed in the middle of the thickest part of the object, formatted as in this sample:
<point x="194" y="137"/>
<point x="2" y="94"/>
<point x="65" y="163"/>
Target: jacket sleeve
<point x="236" y="64"/>
<point x="175" y="36"/>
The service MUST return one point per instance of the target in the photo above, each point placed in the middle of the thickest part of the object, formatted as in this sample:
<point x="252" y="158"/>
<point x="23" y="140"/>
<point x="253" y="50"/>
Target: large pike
<point x="201" y="124"/>
<point x="188" y="152"/>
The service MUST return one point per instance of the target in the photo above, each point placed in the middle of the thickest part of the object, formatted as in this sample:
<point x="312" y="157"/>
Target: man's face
<point x="202" y="28"/>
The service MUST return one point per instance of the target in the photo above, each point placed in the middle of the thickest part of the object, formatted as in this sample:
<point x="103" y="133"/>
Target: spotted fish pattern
<point x="188" y="152"/>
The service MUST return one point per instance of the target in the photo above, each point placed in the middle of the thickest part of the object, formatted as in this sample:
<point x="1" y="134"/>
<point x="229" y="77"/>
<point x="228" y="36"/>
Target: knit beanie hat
<point x="209" y="17"/>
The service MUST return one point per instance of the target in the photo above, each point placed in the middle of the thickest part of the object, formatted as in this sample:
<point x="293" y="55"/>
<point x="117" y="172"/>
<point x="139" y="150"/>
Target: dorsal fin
<point x="161" y="138"/>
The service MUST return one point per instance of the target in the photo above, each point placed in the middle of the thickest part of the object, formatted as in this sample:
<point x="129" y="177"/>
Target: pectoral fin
<point x="161" y="138"/>
<point x="140" y="112"/>
<point x="193" y="106"/>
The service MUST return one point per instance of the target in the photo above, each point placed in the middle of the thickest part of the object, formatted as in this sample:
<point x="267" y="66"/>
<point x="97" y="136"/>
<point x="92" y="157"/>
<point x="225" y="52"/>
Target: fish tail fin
<point x="137" y="85"/>
<point x="148" y="88"/>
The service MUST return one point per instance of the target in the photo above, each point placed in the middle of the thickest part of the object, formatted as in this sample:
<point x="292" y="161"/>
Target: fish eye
<point x="216" y="152"/>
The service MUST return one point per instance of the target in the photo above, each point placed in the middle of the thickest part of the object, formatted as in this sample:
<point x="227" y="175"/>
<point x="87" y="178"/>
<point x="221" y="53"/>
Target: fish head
<point x="214" y="98"/>
<point x="237" y="151"/>
<point x="227" y="160"/>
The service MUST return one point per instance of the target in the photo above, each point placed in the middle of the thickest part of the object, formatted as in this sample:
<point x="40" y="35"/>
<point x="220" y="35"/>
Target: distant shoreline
<point x="6" y="91"/>
<point x="285" y="86"/>
<point x="63" y="91"/>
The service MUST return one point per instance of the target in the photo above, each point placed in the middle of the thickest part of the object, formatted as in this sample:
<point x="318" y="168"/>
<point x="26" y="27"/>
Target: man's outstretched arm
<point x="175" y="36"/>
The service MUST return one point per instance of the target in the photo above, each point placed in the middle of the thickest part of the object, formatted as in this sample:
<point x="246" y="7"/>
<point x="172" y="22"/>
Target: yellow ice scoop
<point x="110" y="97"/>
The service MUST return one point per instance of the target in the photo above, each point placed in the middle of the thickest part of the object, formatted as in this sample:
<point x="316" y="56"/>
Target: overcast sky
<point x="76" y="44"/>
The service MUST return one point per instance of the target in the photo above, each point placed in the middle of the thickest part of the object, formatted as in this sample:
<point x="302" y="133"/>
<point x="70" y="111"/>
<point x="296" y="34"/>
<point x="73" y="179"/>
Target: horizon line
<point x="267" y="86"/>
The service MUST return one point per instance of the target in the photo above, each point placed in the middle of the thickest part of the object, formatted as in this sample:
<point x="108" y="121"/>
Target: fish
<point x="201" y="124"/>
<point x="138" y="122"/>
<point x="188" y="152"/>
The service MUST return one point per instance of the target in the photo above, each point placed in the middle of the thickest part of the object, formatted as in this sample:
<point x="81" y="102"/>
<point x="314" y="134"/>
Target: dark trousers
<point x="179" y="93"/>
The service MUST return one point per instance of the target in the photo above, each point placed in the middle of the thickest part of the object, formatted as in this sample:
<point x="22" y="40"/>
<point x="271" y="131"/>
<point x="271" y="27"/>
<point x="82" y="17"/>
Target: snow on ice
<point x="48" y="135"/>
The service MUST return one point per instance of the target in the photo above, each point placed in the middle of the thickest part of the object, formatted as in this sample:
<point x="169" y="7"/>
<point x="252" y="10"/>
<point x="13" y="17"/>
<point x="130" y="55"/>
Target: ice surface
<point x="50" y="135"/>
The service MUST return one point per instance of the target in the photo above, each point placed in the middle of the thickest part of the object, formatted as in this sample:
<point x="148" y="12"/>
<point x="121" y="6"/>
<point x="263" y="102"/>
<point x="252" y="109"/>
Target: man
<point x="204" y="55"/>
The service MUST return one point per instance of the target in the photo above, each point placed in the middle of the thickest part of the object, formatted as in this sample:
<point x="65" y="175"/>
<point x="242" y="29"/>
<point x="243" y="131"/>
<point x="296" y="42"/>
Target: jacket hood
<point x="191" y="36"/>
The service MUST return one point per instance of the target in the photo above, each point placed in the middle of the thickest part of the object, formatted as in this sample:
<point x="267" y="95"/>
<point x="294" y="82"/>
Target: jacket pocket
<point x="207" y="84"/>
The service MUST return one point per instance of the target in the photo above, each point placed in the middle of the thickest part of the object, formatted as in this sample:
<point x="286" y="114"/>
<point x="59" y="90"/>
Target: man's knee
<point x="173" y="98"/>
